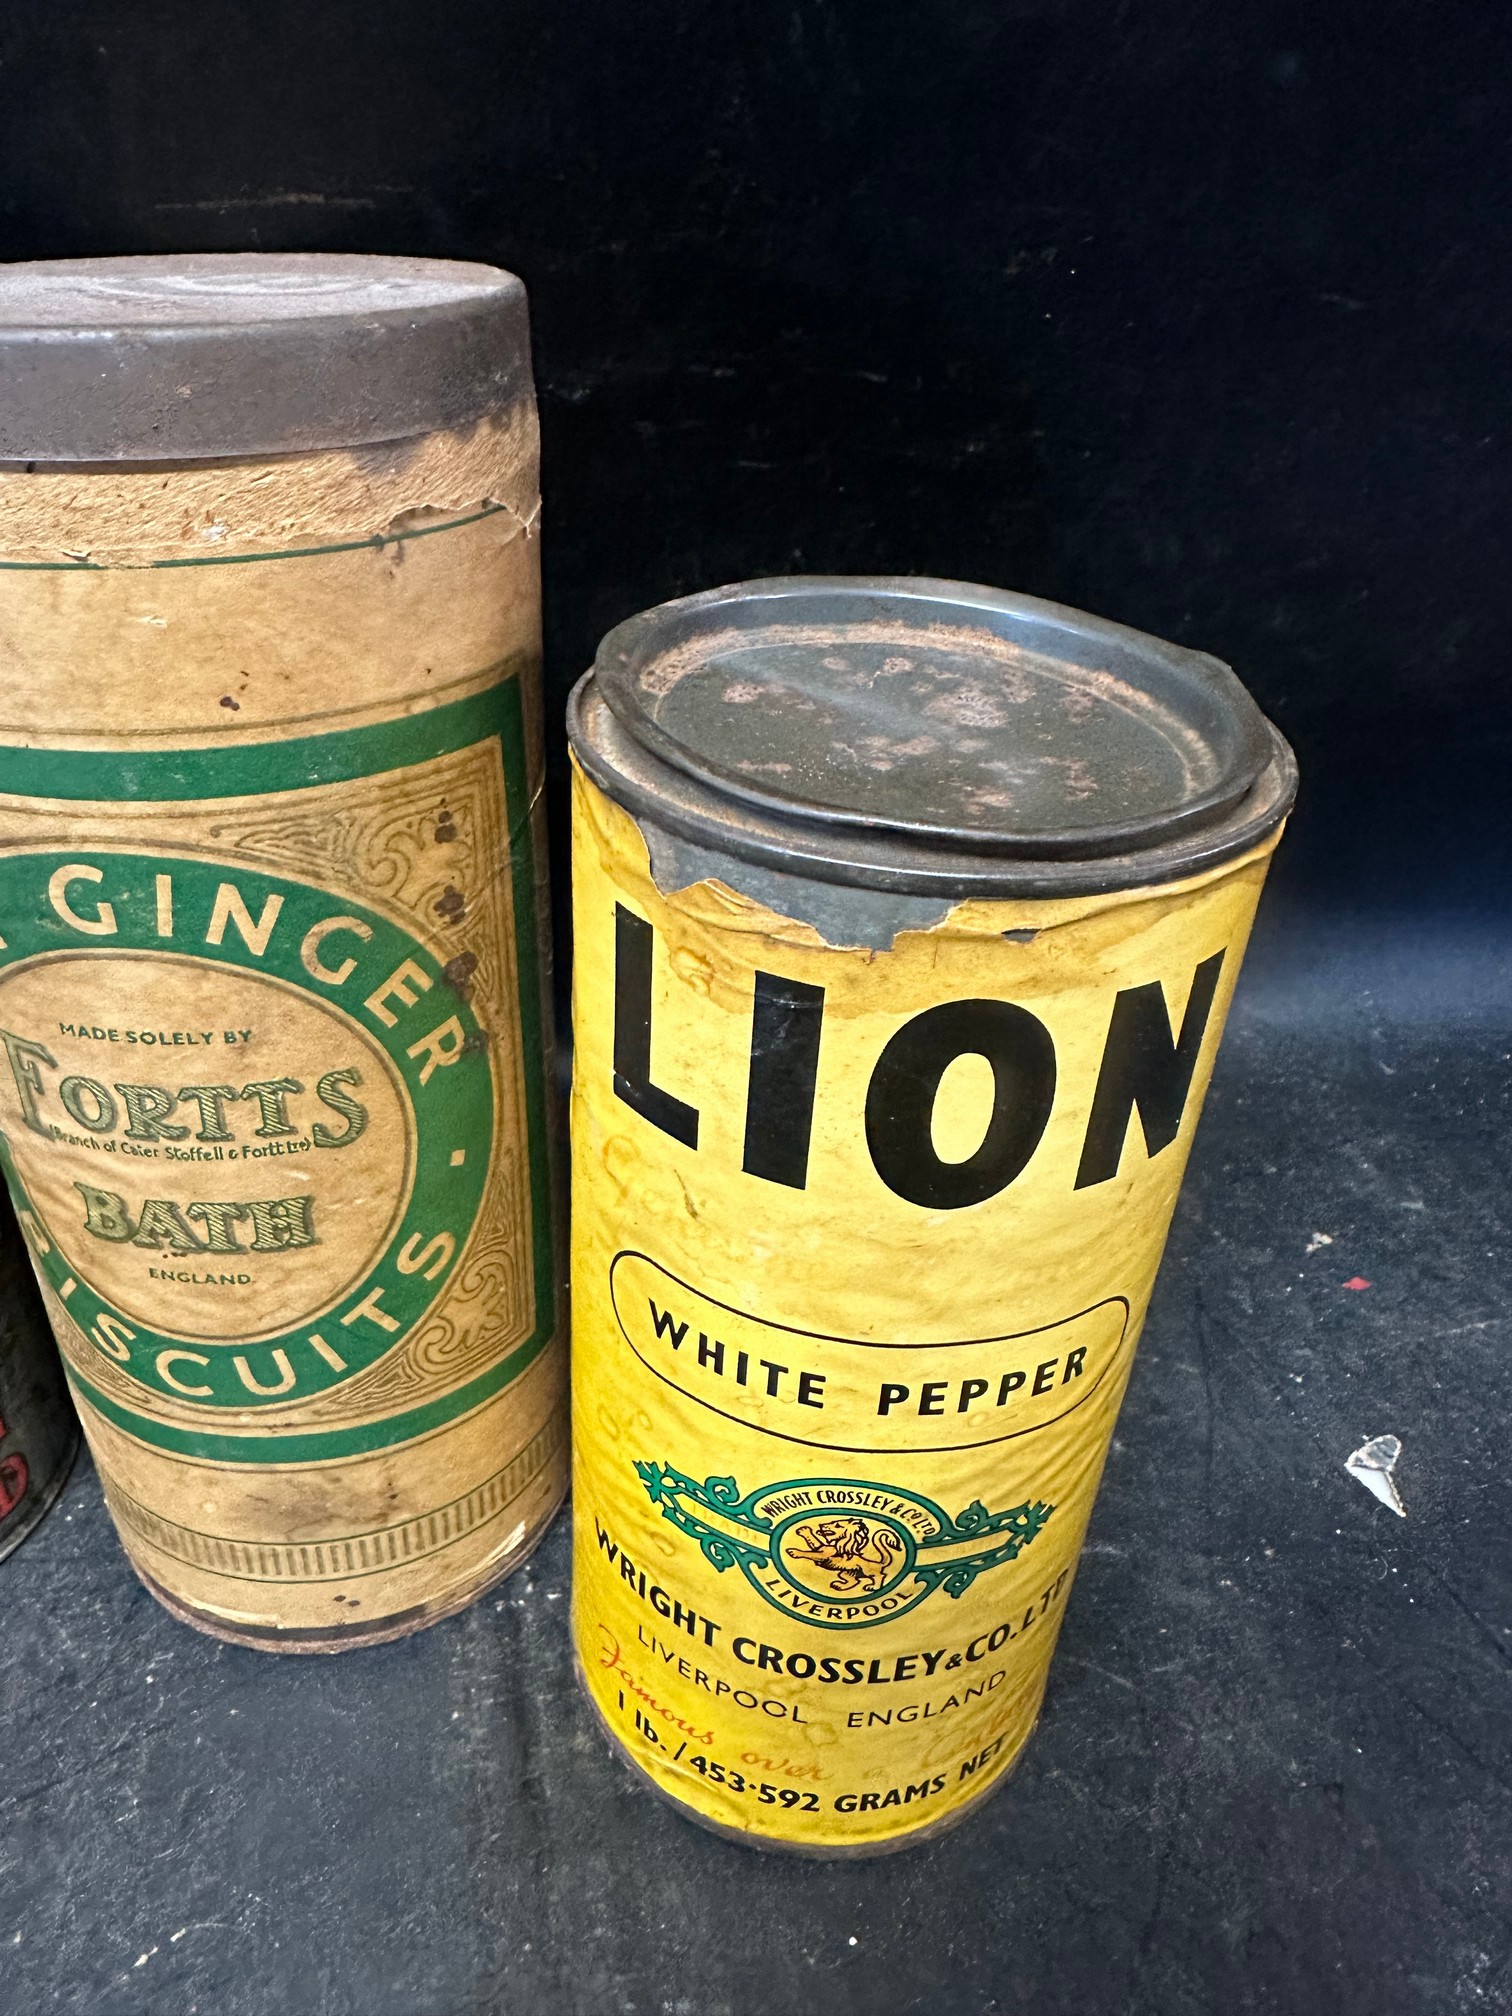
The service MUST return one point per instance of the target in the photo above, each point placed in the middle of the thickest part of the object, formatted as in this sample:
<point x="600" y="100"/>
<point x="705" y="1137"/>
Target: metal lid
<point x="929" y="735"/>
<point x="250" y="353"/>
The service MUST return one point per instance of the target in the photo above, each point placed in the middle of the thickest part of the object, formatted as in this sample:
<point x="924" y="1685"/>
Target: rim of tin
<point x="206" y="356"/>
<point x="1201" y="689"/>
<point x="315" y="1641"/>
<point x="645" y="768"/>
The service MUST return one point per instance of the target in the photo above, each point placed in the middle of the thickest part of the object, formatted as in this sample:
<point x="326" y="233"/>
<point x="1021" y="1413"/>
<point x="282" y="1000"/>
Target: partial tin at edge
<point x="39" y="1431"/>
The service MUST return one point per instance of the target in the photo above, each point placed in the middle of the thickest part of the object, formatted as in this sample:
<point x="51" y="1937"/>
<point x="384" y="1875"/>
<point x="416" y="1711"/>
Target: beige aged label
<point x="862" y="1243"/>
<point x="272" y="1063"/>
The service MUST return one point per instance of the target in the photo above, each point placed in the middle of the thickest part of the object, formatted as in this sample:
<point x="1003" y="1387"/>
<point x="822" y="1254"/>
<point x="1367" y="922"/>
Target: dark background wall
<point x="1191" y="313"/>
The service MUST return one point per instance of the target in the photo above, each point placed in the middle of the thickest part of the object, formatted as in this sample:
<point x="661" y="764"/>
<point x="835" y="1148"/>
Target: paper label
<point x="862" y="1245"/>
<point x="273" y="1113"/>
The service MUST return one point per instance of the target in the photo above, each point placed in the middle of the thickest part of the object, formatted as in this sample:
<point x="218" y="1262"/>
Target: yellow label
<point x="272" y="1061"/>
<point x="862" y="1244"/>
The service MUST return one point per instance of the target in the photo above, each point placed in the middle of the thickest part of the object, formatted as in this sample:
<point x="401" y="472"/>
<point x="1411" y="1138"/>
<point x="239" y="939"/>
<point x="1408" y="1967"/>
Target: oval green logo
<point x="247" y="1125"/>
<point x="840" y="1552"/>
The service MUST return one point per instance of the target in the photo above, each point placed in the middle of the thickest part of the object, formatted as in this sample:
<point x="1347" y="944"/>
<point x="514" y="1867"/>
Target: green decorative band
<point x="320" y="1445"/>
<point x="377" y="541"/>
<point x="241" y="769"/>
<point x="354" y="1555"/>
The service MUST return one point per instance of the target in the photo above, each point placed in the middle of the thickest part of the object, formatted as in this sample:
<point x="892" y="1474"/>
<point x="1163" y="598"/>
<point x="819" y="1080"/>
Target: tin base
<point x="859" y="1851"/>
<point x="350" y="1637"/>
<point x="42" y="1504"/>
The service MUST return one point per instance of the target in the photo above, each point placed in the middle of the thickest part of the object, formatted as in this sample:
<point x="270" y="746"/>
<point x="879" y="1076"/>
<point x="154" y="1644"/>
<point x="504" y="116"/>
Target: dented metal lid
<point x="250" y="353"/>
<point x="928" y="736"/>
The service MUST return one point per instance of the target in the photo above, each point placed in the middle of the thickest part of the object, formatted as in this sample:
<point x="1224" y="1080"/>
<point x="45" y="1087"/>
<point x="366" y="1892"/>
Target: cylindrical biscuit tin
<point x="273" y="988"/>
<point x="39" y="1430"/>
<point x="906" y="918"/>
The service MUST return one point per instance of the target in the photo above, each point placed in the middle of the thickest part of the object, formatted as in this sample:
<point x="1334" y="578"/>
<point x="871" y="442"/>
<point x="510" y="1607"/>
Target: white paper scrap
<point x="1373" y="1463"/>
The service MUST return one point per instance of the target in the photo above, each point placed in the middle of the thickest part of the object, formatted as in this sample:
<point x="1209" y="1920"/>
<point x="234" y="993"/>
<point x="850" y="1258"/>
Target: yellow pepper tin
<point x="906" y="916"/>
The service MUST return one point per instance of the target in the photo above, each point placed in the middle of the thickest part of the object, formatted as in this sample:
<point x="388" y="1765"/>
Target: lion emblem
<point x="857" y="1558"/>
